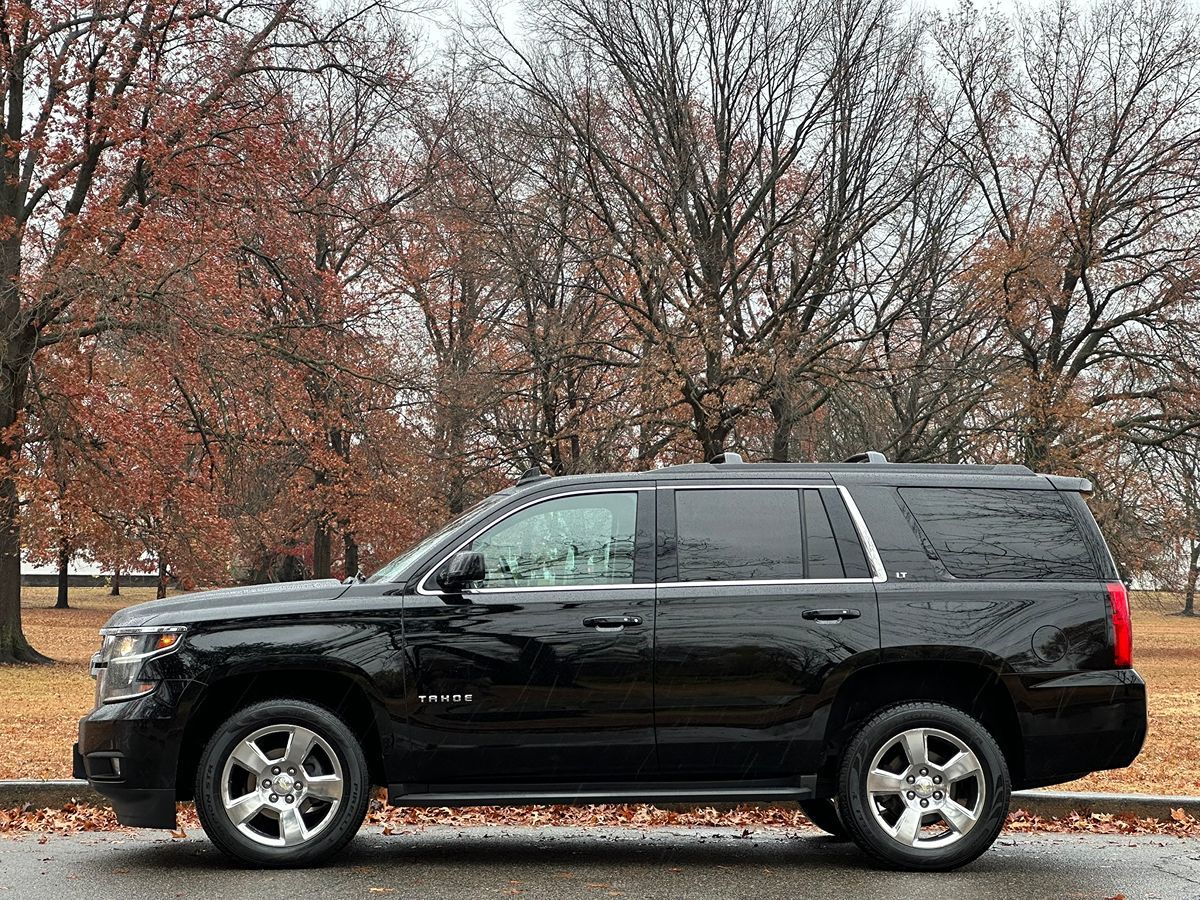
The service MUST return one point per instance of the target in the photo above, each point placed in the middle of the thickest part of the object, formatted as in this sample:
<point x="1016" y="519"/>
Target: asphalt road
<point x="568" y="863"/>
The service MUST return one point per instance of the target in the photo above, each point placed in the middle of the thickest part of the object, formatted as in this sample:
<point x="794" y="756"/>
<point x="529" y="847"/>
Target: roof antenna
<point x="534" y="474"/>
<point x="734" y="458"/>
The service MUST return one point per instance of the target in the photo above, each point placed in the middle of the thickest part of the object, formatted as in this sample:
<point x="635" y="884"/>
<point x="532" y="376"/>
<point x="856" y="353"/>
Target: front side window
<point x="586" y="539"/>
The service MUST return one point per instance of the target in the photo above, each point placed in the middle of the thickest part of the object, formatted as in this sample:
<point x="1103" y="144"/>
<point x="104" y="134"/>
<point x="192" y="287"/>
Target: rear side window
<point x="765" y="534"/>
<point x="1001" y="534"/>
<point x="738" y="535"/>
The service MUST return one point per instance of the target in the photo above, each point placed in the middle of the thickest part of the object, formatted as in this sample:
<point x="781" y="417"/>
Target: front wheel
<point x="923" y="786"/>
<point x="282" y="783"/>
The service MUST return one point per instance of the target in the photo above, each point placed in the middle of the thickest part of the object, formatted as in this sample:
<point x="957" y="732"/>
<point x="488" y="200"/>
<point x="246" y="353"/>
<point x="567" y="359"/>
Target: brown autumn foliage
<point x="280" y="300"/>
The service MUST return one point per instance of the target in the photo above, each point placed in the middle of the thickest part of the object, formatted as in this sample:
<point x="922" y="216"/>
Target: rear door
<point x="766" y="598"/>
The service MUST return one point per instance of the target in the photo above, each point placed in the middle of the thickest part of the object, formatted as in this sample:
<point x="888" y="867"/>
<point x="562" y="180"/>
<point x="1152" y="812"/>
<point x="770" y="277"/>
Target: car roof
<point x="923" y="474"/>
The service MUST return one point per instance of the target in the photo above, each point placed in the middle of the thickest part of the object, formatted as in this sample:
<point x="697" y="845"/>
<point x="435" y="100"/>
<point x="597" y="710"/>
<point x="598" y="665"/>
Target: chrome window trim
<point x="423" y="589"/>
<point x="765" y="582"/>
<point x="874" y="561"/>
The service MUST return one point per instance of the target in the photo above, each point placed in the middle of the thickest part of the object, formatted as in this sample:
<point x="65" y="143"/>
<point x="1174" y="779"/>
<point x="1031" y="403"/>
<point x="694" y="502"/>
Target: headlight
<point x="117" y="668"/>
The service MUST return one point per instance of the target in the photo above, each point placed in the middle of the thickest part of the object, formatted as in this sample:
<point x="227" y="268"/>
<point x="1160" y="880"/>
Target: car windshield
<point x="411" y="555"/>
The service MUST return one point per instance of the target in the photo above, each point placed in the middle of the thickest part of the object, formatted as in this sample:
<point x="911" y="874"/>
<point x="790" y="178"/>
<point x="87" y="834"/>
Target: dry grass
<point x="1166" y="652"/>
<point x="40" y="705"/>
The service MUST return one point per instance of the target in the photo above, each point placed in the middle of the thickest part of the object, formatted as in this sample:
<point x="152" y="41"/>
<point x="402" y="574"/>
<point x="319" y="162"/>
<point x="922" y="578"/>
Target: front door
<point x="545" y="666"/>
<point x="765" y="600"/>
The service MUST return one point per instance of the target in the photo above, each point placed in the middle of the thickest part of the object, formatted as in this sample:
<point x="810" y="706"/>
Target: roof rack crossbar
<point x="867" y="456"/>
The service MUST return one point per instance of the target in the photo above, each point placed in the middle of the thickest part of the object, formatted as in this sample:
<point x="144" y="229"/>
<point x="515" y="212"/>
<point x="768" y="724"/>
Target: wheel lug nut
<point x="924" y="771"/>
<point x="924" y="802"/>
<point x="911" y="795"/>
<point x="291" y="771"/>
<point x="937" y="779"/>
<point x="266" y="782"/>
<point x="937" y="795"/>
<point x="290" y="798"/>
<point x="275" y="771"/>
<point x="911" y="779"/>
<point x="274" y="798"/>
<point x="299" y="785"/>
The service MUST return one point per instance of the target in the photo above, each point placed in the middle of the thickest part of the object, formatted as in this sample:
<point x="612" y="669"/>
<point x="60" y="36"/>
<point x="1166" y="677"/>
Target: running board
<point x="583" y="794"/>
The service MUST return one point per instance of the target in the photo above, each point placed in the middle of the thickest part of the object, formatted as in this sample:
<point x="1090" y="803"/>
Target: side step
<point x="582" y="794"/>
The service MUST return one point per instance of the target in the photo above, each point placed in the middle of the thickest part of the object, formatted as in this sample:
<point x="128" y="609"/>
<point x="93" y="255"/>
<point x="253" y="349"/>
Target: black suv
<point x="894" y="646"/>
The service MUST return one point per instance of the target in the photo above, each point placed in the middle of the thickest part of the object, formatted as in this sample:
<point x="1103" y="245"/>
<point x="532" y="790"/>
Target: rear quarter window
<point x="1001" y="534"/>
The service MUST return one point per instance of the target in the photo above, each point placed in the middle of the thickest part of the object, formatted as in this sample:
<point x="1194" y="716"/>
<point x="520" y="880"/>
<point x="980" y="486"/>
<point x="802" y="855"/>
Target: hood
<point x="282" y="598"/>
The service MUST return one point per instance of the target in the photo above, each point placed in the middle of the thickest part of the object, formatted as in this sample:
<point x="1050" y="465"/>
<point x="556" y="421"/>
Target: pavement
<point x="562" y="863"/>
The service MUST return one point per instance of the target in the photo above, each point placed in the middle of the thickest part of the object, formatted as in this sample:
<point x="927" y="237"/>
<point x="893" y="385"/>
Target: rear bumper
<point x="129" y="753"/>
<point x="1079" y="723"/>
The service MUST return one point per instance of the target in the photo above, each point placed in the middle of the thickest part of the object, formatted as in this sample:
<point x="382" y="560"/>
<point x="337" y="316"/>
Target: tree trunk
<point x="351" y="554"/>
<point x="161" y="593"/>
<point x="116" y="584"/>
<point x="781" y="437"/>
<point x="64" y="574"/>
<point x="1189" y="595"/>
<point x="322" y="551"/>
<point x="14" y="374"/>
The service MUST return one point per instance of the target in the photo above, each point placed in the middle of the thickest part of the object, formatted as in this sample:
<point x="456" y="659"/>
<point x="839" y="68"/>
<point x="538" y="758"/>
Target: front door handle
<point x="830" y="615"/>
<point x="611" y="623"/>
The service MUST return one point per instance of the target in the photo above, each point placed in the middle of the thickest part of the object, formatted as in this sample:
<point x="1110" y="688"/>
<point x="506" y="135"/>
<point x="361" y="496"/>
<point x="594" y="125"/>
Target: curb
<point x="1047" y="804"/>
<point x="1057" y="804"/>
<point x="41" y="794"/>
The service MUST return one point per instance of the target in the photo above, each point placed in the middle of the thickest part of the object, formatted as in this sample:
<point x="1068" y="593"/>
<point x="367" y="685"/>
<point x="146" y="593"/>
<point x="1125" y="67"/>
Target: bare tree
<point x="1082" y="133"/>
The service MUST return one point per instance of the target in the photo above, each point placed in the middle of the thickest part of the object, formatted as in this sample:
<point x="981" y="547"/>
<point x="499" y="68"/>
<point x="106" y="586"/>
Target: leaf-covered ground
<point x="73" y="819"/>
<point x="40" y="705"/>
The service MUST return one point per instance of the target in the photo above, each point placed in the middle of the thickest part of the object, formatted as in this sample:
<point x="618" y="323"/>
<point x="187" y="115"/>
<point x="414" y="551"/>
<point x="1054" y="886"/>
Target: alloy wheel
<point x="281" y="785"/>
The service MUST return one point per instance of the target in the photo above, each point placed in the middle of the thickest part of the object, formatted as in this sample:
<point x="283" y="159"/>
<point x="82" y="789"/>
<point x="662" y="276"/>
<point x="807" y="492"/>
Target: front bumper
<point x="1080" y="723"/>
<point x="129" y="753"/>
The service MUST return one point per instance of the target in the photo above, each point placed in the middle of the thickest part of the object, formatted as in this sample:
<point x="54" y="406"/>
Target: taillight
<point x="1118" y="602"/>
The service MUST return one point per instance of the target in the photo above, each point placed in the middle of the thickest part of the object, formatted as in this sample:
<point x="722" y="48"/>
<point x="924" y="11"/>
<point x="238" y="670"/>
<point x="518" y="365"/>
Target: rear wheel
<point x="923" y="786"/>
<point x="282" y="783"/>
<point x="824" y="814"/>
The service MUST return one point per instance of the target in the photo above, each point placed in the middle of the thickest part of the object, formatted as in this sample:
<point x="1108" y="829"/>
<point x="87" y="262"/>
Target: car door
<point x="542" y="671"/>
<point x="765" y="600"/>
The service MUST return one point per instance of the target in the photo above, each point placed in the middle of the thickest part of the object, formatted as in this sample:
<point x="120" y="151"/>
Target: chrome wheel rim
<point x="926" y="788"/>
<point x="282" y="785"/>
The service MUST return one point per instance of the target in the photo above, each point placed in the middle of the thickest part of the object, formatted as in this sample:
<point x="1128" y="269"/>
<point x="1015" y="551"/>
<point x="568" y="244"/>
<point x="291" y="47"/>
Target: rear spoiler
<point x="1067" y="483"/>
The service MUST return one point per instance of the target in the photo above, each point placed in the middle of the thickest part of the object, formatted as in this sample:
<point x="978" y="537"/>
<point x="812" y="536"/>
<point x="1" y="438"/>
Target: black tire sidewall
<point x="853" y="802"/>
<point x="348" y="817"/>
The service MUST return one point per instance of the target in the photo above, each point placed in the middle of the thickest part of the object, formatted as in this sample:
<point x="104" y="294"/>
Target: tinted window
<point x="584" y="539"/>
<point x="1019" y="535"/>
<point x="736" y="535"/>
<point x="854" y="558"/>
<point x="824" y="561"/>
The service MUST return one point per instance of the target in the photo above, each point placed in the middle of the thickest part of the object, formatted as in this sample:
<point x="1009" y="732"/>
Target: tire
<point x="966" y="787"/>
<point x="259" y="753"/>
<point x="824" y="814"/>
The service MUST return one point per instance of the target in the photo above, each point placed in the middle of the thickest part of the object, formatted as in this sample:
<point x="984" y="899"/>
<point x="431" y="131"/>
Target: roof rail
<point x="534" y="474"/>
<point x="867" y="456"/>
<point x="734" y="458"/>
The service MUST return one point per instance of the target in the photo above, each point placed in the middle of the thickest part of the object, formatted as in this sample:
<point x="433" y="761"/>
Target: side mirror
<point x="464" y="567"/>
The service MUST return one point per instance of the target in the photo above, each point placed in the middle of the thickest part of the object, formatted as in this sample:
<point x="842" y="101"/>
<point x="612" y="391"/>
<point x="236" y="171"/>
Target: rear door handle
<point x="611" y="623"/>
<point x="830" y="615"/>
